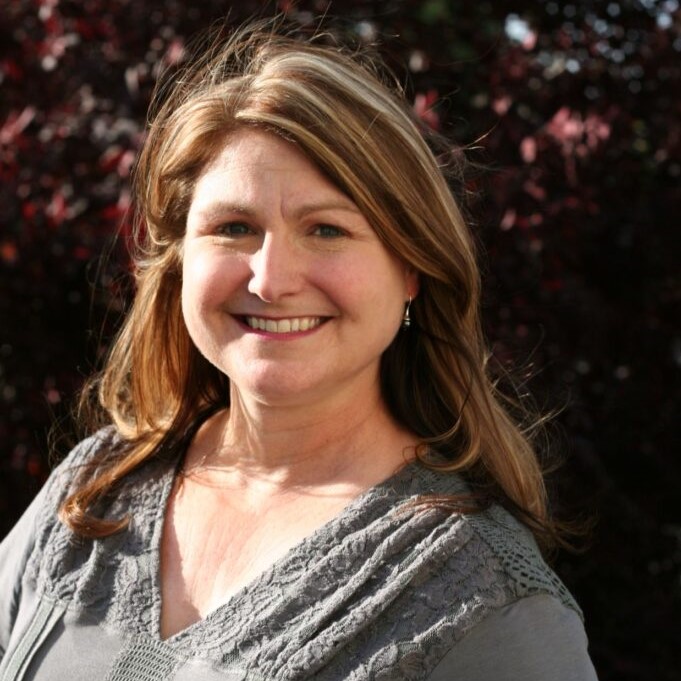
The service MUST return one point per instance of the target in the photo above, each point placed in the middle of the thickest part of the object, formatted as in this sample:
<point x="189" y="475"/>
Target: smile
<point x="292" y="325"/>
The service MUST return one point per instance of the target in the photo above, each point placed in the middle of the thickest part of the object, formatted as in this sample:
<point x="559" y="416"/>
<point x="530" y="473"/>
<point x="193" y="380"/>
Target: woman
<point x="306" y="466"/>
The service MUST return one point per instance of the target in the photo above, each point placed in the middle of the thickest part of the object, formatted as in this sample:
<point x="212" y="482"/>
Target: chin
<point x="275" y="385"/>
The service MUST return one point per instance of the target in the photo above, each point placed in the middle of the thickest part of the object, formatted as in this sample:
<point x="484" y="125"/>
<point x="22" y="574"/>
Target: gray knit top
<point x="385" y="590"/>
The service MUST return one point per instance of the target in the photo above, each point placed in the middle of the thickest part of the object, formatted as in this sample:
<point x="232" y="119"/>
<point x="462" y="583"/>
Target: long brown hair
<point x="353" y="122"/>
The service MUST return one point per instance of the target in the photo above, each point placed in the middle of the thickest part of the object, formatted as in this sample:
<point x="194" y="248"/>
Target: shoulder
<point x="489" y="551"/>
<point x="514" y="548"/>
<point x="499" y="599"/>
<point x="86" y="456"/>
<point x="441" y="575"/>
<point x="80" y="463"/>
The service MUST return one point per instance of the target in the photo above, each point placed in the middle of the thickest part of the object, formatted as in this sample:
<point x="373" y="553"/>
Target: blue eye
<point x="328" y="231"/>
<point x="234" y="229"/>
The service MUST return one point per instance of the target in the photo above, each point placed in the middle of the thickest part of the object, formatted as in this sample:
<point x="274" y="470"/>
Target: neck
<point x="349" y="439"/>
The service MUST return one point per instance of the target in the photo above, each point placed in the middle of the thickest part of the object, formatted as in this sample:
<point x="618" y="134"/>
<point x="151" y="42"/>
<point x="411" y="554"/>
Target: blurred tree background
<point x="572" y="108"/>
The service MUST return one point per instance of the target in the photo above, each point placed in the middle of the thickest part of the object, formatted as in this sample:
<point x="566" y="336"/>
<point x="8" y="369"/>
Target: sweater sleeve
<point x="15" y="550"/>
<point x="534" y="639"/>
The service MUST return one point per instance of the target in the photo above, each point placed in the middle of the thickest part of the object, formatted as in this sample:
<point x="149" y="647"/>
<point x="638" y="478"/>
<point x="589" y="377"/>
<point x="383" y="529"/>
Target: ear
<point x="412" y="282"/>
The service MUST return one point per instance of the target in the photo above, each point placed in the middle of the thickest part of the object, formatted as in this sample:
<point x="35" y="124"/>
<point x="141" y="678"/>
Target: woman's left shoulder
<point x="486" y="596"/>
<point x="488" y="554"/>
<point x="514" y="550"/>
<point x="441" y="575"/>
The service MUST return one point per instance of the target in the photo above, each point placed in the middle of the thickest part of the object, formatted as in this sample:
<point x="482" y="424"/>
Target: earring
<point x="406" y="319"/>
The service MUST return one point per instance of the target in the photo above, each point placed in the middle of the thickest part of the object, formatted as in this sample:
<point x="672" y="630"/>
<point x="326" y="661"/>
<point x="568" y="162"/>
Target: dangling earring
<point x="406" y="319"/>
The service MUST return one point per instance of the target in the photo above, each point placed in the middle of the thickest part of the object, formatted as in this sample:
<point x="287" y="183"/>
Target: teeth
<point x="283" y="325"/>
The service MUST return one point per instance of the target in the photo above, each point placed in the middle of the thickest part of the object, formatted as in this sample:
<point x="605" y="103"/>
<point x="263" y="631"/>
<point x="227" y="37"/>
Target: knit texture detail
<point x="382" y="591"/>
<point x="143" y="660"/>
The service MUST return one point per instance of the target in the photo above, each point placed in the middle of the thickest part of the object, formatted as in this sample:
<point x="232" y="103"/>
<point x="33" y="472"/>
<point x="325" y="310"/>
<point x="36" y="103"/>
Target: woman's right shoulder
<point x="93" y="446"/>
<point x="79" y="465"/>
<point x="84" y="459"/>
<point x="21" y="551"/>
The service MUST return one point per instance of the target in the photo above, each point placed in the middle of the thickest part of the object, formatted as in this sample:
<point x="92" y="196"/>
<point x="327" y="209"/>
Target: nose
<point x="275" y="270"/>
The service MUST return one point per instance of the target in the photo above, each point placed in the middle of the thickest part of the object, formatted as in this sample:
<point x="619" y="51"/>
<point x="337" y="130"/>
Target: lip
<point x="311" y="324"/>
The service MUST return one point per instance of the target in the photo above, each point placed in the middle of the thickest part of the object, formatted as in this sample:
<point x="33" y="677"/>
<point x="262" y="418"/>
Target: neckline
<point x="395" y="484"/>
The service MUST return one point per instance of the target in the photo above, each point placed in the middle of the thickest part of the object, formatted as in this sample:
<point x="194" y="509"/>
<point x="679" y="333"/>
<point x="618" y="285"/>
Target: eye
<point x="328" y="231"/>
<point x="234" y="229"/>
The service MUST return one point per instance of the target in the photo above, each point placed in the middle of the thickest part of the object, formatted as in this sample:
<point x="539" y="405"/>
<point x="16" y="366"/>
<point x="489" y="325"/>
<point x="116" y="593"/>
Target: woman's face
<point x="286" y="287"/>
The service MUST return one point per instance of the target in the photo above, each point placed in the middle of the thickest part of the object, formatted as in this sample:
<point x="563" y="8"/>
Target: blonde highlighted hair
<point x="354" y="123"/>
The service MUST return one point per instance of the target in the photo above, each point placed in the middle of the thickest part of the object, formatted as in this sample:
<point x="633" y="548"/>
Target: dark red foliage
<point x="572" y="109"/>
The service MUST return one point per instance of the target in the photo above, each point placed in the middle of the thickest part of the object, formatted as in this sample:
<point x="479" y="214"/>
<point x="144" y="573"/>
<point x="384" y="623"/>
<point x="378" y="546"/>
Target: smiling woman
<point x="304" y="470"/>
<point x="290" y="252"/>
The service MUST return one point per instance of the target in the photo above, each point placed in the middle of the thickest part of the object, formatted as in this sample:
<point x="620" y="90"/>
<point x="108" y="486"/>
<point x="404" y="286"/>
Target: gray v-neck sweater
<point x="385" y="590"/>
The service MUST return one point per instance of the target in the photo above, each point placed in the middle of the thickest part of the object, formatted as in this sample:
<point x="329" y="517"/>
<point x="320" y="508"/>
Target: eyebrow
<point x="219" y="207"/>
<point x="308" y="208"/>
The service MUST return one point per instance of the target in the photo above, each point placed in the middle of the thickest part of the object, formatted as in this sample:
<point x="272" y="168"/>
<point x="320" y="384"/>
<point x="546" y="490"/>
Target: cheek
<point x="391" y="295"/>
<point x="367" y="290"/>
<point x="207" y="283"/>
<point x="193" y="292"/>
<point x="204" y="276"/>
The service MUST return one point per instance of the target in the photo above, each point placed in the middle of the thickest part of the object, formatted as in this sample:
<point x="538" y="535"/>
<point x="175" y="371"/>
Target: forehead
<point x="256" y="166"/>
<point x="258" y="150"/>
